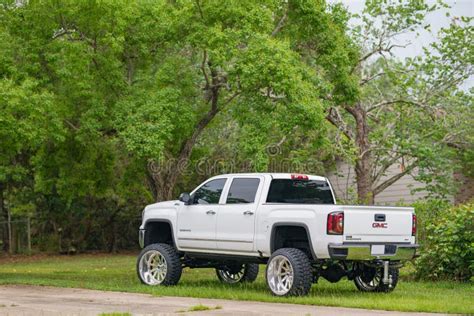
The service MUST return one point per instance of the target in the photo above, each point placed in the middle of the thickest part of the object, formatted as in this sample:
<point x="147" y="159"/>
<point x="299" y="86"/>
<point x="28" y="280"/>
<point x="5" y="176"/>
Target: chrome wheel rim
<point x="372" y="284"/>
<point x="153" y="267"/>
<point x="280" y="275"/>
<point x="230" y="277"/>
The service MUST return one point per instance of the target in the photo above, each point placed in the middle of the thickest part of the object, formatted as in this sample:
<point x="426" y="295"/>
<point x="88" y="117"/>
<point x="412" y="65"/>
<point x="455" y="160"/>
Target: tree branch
<point x="188" y="144"/>
<point x="71" y="125"/>
<point x="334" y="117"/>
<point x="381" y="187"/>
<point x="378" y="49"/>
<point x="203" y="69"/>
<point x="383" y="103"/>
<point x="198" y="4"/>
<point x="411" y="102"/>
<point x="281" y="23"/>
<point x="232" y="97"/>
<point x="351" y="110"/>
<point x="363" y="81"/>
<point x="385" y="166"/>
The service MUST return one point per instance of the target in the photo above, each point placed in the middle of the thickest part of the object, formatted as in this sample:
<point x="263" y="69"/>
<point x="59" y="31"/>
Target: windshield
<point x="300" y="192"/>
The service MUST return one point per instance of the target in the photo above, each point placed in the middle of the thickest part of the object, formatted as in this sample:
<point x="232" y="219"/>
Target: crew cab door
<point x="236" y="218"/>
<point x="197" y="221"/>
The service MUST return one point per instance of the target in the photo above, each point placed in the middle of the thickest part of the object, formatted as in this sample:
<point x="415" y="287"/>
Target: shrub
<point x="448" y="246"/>
<point x="428" y="212"/>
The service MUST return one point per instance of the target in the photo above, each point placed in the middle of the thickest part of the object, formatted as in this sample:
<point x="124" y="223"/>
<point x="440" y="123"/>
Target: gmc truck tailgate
<point x="373" y="224"/>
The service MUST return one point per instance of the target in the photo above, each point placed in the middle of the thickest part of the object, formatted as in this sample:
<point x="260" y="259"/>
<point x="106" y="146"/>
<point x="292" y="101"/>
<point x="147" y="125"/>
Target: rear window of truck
<point x="300" y="192"/>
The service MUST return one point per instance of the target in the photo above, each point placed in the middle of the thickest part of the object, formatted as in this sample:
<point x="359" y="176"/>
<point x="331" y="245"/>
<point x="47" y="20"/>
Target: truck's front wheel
<point x="289" y="272"/>
<point x="369" y="279"/>
<point x="238" y="274"/>
<point x="159" y="264"/>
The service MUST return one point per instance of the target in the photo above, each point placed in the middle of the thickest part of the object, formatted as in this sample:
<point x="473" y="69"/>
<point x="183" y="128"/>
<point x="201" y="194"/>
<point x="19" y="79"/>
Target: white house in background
<point x="343" y="182"/>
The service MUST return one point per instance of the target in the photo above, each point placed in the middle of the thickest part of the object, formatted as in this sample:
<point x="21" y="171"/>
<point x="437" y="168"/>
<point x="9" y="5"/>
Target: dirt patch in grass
<point x="199" y="308"/>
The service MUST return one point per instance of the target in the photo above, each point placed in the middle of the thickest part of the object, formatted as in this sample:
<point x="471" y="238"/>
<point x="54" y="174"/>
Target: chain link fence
<point x="17" y="233"/>
<point x="22" y="235"/>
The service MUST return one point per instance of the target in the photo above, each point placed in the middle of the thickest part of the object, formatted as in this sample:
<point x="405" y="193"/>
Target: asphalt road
<point x="42" y="300"/>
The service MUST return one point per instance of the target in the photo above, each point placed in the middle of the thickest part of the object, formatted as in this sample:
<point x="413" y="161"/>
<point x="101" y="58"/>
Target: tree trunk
<point x="164" y="192"/>
<point x="363" y="163"/>
<point x="161" y="182"/>
<point x="364" y="183"/>
<point x="5" y="218"/>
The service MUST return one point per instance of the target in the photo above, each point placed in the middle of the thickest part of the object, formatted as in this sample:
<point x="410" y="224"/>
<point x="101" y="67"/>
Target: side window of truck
<point x="242" y="190"/>
<point x="210" y="192"/>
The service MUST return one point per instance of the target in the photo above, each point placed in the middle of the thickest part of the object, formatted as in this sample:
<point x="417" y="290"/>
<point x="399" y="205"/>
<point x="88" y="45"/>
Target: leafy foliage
<point x="60" y="81"/>
<point x="98" y="96"/>
<point x="413" y="113"/>
<point x="428" y="212"/>
<point x="448" y="248"/>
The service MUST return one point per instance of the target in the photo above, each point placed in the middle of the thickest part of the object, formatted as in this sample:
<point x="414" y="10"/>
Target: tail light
<point x="413" y="225"/>
<point x="335" y="224"/>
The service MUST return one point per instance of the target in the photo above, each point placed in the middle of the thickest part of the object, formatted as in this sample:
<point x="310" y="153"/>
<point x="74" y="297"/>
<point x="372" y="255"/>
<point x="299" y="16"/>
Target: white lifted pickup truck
<point x="291" y="222"/>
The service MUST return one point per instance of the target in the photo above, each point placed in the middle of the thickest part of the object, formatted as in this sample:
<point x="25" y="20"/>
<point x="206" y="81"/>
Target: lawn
<point x="117" y="273"/>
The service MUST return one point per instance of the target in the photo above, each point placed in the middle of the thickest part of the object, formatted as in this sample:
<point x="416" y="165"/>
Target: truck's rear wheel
<point x="370" y="280"/>
<point x="238" y="274"/>
<point x="159" y="264"/>
<point x="289" y="272"/>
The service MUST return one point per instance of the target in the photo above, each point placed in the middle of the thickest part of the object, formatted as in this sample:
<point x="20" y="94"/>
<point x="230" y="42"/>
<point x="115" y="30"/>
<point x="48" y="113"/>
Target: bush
<point x="428" y="212"/>
<point x="448" y="244"/>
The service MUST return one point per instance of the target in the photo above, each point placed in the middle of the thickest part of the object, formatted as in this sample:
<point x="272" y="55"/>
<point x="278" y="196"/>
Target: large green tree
<point x="265" y="64"/>
<point x="64" y="67"/>
<point x="409" y="112"/>
<point x="125" y="90"/>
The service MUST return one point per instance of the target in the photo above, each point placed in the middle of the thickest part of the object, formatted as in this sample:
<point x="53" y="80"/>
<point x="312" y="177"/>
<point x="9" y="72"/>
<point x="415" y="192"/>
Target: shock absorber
<point x="387" y="279"/>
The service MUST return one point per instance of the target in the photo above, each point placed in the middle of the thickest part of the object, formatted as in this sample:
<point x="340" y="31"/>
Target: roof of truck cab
<point x="274" y="175"/>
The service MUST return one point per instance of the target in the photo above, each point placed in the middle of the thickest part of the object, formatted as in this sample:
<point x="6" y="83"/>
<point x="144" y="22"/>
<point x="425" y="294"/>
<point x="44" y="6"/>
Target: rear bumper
<point x="141" y="238"/>
<point x="363" y="252"/>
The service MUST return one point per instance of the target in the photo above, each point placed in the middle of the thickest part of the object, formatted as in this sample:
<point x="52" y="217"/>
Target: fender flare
<point x="295" y="224"/>
<point x="163" y="221"/>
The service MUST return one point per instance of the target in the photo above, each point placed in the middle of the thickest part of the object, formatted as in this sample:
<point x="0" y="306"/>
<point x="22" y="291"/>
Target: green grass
<point x="117" y="273"/>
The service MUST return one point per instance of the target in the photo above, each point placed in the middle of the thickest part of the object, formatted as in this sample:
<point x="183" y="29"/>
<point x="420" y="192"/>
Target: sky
<point x="437" y="20"/>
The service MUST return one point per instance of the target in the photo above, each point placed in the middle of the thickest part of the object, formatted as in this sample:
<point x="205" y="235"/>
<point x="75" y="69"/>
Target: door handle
<point x="211" y="212"/>
<point x="248" y="213"/>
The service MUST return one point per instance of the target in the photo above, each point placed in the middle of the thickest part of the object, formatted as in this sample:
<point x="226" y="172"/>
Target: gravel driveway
<point x="42" y="300"/>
